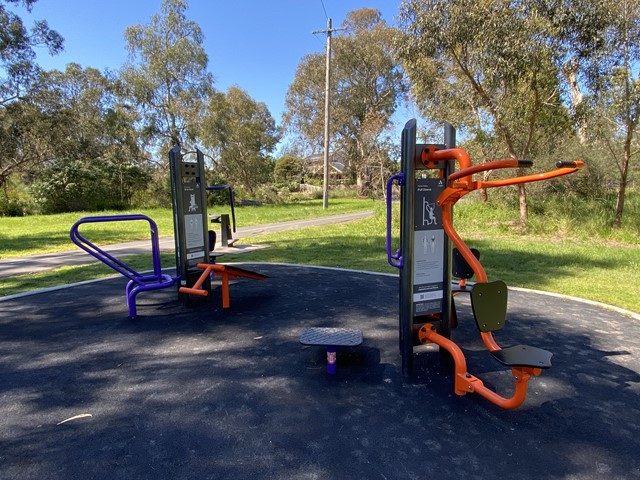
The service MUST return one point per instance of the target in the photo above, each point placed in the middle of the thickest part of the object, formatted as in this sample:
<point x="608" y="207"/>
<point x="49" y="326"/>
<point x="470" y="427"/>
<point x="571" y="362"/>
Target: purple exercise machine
<point x="138" y="282"/>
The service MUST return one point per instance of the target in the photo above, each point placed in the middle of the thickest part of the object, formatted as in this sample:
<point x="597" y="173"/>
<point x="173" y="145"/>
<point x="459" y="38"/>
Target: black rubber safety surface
<point x="207" y="393"/>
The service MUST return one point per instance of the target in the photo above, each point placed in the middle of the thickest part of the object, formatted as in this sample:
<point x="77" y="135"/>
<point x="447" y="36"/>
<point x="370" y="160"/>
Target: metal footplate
<point x="331" y="338"/>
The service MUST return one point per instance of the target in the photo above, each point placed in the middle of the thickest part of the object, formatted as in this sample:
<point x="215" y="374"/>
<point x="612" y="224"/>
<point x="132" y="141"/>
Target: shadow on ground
<point x="203" y="392"/>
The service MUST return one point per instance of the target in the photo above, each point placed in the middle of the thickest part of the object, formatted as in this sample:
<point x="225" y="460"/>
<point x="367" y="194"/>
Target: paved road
<point x="48" y="261"/>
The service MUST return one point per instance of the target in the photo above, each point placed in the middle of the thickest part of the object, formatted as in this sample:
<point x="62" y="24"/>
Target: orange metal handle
<point x="482" y="167"/>
<point x="558" y="172"/>
<point x="194" y="291"/>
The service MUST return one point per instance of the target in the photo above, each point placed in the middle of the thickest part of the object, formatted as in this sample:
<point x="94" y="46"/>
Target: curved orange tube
<point x="519" y="395"/>
<point x="509" y="163"/>
<point x="531" y="178"/>
<point x="474" y="263"/>
<point x="450" y="154"/>
<point x="466" y="383"/>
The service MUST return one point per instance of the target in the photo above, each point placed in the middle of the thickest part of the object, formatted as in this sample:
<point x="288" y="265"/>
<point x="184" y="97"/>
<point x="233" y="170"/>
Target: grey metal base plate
<point x="339" y="337"/>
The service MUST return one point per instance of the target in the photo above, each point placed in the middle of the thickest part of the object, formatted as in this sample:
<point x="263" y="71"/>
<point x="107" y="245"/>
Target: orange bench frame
<point x="225" y="272"/>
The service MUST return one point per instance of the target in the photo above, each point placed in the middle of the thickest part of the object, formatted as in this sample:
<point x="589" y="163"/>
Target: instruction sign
<point x="193" y="226"/>
<point x="429" y="248"/>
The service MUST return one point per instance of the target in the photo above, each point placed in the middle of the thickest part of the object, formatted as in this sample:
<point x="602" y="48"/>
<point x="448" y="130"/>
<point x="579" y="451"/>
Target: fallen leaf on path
<point x="75" y="417"/>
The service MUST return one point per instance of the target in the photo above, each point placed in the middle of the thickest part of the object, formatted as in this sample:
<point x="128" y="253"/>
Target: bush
<point x="288" y="169"/>
<point x="11" y="208"/>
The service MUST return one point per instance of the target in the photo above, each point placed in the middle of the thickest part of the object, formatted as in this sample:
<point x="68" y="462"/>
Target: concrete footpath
<point x="49" y="261"/>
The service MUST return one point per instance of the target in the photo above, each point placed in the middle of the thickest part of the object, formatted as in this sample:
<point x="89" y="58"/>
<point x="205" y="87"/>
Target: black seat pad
<point x="459" y="266"/>
<point x="523" y="356"/>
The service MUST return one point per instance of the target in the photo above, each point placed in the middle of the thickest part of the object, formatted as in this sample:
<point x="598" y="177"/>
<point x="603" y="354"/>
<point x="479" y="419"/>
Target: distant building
<point x="314" y="166"/>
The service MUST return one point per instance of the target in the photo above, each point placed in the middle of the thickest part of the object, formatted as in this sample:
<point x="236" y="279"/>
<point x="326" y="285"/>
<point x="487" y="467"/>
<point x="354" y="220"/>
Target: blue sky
<point x="255" y="44"/>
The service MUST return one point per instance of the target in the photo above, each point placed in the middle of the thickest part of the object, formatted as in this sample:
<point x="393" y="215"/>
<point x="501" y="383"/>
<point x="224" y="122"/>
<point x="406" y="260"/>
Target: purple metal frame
<point x="137" y="282"/>
<point x="398" y="255"/>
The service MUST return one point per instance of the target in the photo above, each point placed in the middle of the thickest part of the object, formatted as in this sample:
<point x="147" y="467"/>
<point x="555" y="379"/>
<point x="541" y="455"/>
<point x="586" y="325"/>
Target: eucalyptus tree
<point x="598" y="43"/>
<point x="489" y="66"/>
<point x="86" y="142"/>
<point x="166" y="75"/>
<point x="607" y="57"/>
<point x="20" y="122"/>
<point x="17" y="54"/>
<point x="26" y="135"/>
<point x="240" y="133"/>
<point x="366" y="83"/>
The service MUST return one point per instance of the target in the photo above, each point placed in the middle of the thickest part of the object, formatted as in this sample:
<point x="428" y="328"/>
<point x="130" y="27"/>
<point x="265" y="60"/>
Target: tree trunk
<point x="484" y="193"/>
<point x="522" y="201"/>
<point x="524" y="209"/>
<point x="570" y="71"/>
<point x="617" y="218"/>
<point x="622" y="185"/>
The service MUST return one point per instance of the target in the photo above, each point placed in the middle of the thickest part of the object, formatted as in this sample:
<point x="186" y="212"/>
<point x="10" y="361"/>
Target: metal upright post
<point x="407" y="203"/>
<point x="425" y="269"/>
<point x="444" y="327"/>
<point x="327" y="112"/>
<point x="327" y="119"/>
<point x="188" y="194"/>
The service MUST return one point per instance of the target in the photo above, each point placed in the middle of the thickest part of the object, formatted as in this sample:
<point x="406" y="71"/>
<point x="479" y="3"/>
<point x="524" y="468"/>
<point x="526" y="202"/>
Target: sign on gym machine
<point x="189" y="201"/>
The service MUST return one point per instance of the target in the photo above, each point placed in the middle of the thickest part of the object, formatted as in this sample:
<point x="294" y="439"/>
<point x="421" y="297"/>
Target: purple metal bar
<point x="397" y="256"/>
<point x="134" y="288"/>
<point x="332" y="359"/>
<point x="137" y="282"/>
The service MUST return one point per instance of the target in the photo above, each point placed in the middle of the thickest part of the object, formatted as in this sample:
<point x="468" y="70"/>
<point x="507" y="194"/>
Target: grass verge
<point x="580" y="267"/>
<point x="21" y="236"/>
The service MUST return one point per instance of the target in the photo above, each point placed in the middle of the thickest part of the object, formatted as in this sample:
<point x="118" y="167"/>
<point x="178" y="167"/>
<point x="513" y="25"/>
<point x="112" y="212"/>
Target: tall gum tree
<point x="366" y="84"/>
<point x="614" y="80"/>
<point x="600" y="44"/>
<point x="166" y="75"/>
<point x="484" y="64"/>
<point x="240" y="133"/>
<point x="17" y="54"/>
<point x="18" y="70"/>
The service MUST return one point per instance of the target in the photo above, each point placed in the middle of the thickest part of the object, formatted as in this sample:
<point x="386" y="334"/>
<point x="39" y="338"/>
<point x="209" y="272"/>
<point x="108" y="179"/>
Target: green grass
<point x="584" y="268"/>
<point x="600" y="269"/>
<point x="21" y="236"/>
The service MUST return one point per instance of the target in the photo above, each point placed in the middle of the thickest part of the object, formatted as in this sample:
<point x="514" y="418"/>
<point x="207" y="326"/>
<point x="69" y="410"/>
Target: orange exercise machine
<point x="429" y="189"/>
<point x="225" y="272"/>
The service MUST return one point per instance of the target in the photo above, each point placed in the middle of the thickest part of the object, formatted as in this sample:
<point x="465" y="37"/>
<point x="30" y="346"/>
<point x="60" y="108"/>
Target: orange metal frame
<point x="225" y="272"/>
<point x="459" y="184"/>
<point x="466" y="383"/>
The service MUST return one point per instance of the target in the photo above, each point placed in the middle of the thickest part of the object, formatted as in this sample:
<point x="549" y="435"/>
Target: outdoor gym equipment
<point x="225" y="272"/>
<point x="226" y="227"/>
<point x="138" y="282"/>
<point x="192" y="240"/>
<point x="189" y="201"/>
<point x="331" y="338"/>
<point x="424" y="259"/>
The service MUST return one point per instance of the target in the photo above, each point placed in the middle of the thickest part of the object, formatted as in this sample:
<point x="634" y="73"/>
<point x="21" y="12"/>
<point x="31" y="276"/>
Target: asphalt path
<point x="48" y="261"/>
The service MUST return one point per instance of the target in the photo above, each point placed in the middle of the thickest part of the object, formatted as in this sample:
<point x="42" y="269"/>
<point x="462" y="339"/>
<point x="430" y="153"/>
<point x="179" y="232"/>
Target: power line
<point x="325" y="10"/>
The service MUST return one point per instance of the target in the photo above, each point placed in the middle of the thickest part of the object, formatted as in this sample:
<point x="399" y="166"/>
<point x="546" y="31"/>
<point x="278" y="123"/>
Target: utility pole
<point x="327" y="112"/>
